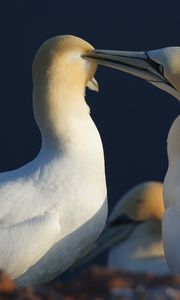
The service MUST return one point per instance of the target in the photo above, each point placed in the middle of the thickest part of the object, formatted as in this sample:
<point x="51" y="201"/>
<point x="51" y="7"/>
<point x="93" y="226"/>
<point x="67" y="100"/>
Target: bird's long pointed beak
<point x="135" y="63"/>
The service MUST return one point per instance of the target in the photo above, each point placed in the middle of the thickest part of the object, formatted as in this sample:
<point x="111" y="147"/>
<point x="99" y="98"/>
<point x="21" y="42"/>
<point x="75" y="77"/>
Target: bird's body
<point x="54" y="208"/>
<point x="133" y="234"/>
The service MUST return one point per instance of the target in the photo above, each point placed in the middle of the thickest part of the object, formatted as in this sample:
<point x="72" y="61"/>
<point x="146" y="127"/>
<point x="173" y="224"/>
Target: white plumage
<point x="171" y="220"/>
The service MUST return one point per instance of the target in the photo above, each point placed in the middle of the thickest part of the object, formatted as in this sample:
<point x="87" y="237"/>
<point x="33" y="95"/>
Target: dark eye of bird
<point x="139" y="201"/>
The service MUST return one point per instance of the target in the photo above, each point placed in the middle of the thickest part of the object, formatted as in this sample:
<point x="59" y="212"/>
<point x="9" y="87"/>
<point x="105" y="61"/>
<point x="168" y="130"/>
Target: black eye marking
<point x="159" y="68"/>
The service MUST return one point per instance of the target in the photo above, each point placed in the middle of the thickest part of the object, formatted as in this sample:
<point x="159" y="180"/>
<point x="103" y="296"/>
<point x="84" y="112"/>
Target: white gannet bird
<point x="171" y="219"/>
<point x="53" y="208"/>
<point x="133" y="234"/>
<point x="162" y="69"/>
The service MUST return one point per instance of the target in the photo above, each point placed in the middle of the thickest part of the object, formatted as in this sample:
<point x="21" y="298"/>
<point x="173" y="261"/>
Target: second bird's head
<point x="159" y="67"/>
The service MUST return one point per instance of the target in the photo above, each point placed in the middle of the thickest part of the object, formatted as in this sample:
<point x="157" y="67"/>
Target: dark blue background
<point x="132" y="116"/>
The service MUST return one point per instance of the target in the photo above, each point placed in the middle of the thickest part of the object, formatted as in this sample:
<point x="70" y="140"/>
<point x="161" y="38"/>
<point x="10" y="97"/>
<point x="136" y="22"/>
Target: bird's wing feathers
<point x="14" y="201"/>
<point x="18" y="195"/>
<point x="23" y="244"/>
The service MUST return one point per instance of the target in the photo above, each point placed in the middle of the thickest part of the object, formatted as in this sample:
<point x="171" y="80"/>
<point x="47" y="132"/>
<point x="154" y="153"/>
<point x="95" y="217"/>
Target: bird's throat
<point x="58" y="108"/>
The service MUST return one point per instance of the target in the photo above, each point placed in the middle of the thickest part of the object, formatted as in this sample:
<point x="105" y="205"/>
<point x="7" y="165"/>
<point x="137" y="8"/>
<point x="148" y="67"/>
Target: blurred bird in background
<point x="133" y="234"/>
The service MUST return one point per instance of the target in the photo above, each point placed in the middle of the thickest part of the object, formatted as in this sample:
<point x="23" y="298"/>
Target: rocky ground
<point x="97" y="283"/>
